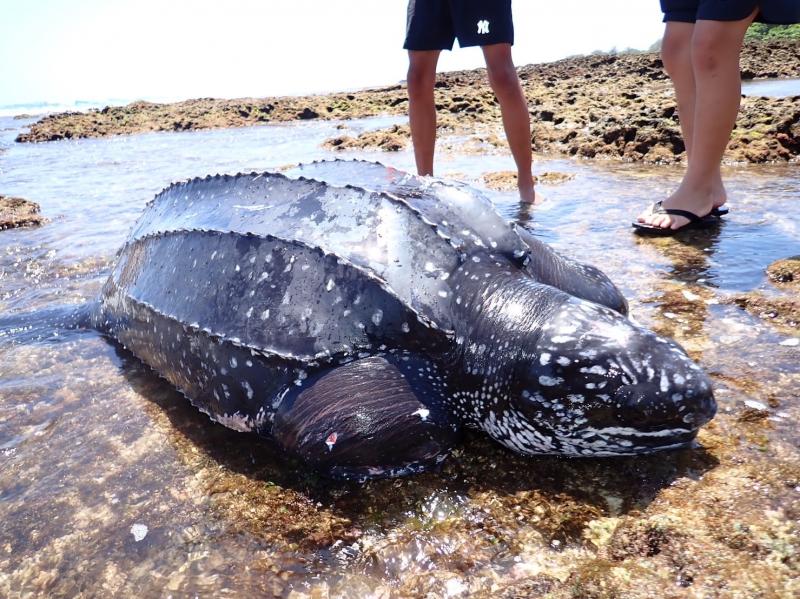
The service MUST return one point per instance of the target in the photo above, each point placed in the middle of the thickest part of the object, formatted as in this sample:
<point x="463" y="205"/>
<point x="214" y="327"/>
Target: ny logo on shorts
<point x="483" y="26"/>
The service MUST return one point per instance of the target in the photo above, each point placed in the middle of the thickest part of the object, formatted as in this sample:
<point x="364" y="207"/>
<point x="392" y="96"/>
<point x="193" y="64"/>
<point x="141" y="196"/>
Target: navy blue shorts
<point x="781" y="12"/>
<point x="435" y="24"/>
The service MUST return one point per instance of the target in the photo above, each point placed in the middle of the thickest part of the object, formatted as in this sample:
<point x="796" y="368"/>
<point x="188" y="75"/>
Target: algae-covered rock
<point x="393" y="139"/>
<point x="785" y="272"/>
<point x="17" y="212"/>
<point x="782" y="312"/>
<point x="507" y="180"/>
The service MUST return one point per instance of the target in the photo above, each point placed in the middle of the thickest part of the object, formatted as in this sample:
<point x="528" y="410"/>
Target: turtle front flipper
<point x="581" y="280"/>
<point x="376" y="417"/>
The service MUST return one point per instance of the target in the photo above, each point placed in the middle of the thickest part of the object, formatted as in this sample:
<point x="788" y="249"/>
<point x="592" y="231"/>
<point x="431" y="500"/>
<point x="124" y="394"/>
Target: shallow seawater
<point x="774" y="88"/>
<point x="110" y="483"/>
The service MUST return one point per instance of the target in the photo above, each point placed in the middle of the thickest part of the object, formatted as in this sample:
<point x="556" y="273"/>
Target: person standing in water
<point x="433" y="26"/>
<point x="700" y="50"/>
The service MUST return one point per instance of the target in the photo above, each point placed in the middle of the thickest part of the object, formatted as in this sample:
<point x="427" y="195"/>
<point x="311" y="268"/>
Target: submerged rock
<point x="785" y="272"/>
<point x="781" y="312"/>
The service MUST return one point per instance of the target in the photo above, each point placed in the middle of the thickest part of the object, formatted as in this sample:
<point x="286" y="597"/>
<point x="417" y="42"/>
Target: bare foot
<point x="527" y="193"/>
<point x="719" y="194"/>
<point x="699" y="201"/>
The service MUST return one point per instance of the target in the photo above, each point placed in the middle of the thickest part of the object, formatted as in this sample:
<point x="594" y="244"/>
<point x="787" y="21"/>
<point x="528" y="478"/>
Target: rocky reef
<point x="600" y="106"/>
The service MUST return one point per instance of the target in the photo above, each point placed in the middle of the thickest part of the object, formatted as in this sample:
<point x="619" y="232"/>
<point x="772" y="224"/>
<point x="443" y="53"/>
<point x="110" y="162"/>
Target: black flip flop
<point x="695" y="222"/>
<point x="719" y="211"/>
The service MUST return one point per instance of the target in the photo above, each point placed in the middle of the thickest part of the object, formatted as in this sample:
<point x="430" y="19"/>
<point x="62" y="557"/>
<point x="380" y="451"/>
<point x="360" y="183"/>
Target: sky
<point x="61" y="51"/>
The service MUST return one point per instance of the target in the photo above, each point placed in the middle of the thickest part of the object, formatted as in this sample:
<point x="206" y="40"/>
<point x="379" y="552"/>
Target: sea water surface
<point x="110" y="483"/>
<point x="774" y="88"/>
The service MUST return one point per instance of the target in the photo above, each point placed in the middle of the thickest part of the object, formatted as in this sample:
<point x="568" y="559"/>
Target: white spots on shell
<point x="237" y="268"/>
<point x="664" y="383"/>
<point x="233" y="362"/>
<point x="265" y="314"/>
<point x="563" y="361"/>
<point x="330" y="285"/>
<point x="405" y="328"/>
<point x="596" y="369"/>
<point x="443" y="293"/>
<point x="544" y="359"/>
<point x="423" y="413"/>
<point x="249" y="313"/>
<point x="377" y="317"/>
<point x="548" y="381"/>
<point x="248" y="389"/>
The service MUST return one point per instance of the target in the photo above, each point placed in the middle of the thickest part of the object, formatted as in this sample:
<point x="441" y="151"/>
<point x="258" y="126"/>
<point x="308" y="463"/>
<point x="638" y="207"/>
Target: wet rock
<point x="394" y="139"/>
<point x="306" y="114"/>
<point x="17" y="212"/>
<point x="501" y="181"/>
<point x="785" y="272"/>
<point x="507" y="180"/>
<point x="553" y="178"/>
<point x="782" y="312"/>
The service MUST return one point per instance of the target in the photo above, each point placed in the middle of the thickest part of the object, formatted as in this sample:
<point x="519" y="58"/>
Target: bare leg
<point x="676" y="53"/>
<point x="715" y="60"/>
<point x="422" y="107"/>
<point x="516" y="118"/>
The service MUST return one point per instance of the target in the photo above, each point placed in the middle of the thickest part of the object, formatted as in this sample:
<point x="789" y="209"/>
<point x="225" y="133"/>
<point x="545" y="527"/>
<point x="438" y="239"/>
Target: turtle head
<point x="596" y="384"/>
<point x="560" y="375"/>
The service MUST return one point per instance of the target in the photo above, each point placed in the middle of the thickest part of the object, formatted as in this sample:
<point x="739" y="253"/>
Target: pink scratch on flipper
<point x="331" y="441"/>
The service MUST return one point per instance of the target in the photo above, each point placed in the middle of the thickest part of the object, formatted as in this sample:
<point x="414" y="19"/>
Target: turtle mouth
<point x="621" y="441"/>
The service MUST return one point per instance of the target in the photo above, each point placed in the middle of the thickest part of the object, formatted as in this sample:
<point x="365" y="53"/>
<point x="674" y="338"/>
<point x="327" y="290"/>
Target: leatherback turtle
<point x="361" y="327"/>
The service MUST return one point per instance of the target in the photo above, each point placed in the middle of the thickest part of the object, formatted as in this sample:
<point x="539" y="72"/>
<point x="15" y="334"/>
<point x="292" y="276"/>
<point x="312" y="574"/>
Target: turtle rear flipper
<point x="376" y="417"/>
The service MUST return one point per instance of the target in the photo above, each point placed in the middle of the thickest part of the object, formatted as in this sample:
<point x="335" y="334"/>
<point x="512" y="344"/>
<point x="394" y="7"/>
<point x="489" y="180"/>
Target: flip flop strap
<point x="690" y="216"/>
